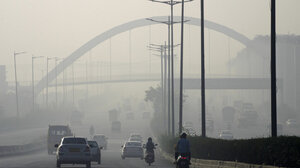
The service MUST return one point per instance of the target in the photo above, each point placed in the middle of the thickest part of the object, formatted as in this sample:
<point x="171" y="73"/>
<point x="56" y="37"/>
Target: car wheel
<point x="88" y="165"/>
<point x="99" y="160"/>
<point x="57" y="164"/>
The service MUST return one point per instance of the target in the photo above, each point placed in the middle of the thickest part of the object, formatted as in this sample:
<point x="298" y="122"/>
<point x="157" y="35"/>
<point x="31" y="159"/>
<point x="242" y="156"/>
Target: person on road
<point x="183" y="147"/>
<point x="150" y="146"/>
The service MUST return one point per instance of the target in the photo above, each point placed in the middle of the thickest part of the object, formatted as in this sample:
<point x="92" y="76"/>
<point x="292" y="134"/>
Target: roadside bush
<point x="281" y="151"/>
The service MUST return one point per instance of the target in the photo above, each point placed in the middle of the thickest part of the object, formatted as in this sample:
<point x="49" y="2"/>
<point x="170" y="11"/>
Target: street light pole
<point x="172" y="3"/>
<point x="181" y="70"/>
<point x="33" y="96"/>
<point x="203" y="72"/>
<point x="16" y="81"/>
<point x="273" y="70"/>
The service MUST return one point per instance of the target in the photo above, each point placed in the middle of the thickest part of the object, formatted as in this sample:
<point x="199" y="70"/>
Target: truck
<point x="55" y="134"/>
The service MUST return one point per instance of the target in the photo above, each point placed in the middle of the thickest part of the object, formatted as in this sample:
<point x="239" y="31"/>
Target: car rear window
<point x="74" y="141"/>
<point x="133" y="144"/>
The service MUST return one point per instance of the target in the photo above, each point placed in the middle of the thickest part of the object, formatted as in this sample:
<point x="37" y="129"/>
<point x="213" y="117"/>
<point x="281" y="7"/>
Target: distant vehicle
<point x="248" y="117"/>
<point x="292" y="123"/>
<point x="73" y="150"/>
<point x="132" y="149"/>
<point x="226" y="134"/>
<point x="101" y="140"/>
<point x="136" y="136"/>
<point x="95" y="152"/>
<point x="116" y="127"/>
<point x="55" y="134"/>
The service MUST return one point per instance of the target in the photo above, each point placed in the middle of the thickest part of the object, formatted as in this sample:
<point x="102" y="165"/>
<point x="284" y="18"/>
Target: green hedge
<point x="282" y="151"/>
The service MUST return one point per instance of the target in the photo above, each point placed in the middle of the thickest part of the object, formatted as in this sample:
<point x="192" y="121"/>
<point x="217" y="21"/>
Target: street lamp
<point x="32" y="59"/>
<point x="15" y="65"/>
<point x="56" y="59"/>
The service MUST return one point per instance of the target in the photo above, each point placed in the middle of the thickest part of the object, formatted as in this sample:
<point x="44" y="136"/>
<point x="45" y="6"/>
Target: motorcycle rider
<point x="150" y="147"/>
<point x="183" y="148"/>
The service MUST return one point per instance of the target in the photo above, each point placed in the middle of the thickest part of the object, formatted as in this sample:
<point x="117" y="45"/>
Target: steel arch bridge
<point x="129" y="26"/>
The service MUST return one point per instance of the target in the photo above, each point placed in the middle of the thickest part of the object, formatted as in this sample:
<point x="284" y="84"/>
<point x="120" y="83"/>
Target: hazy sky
<point x="58" y="27"/>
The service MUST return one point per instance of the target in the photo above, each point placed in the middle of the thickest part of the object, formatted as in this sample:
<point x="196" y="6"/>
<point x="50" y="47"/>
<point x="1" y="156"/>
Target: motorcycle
<point x="182" y="162"/>
<point x="149" y="158"/>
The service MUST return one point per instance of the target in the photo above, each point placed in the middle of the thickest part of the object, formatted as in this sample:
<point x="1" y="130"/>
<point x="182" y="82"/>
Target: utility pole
<point x="16" y="82"/>
<point x="172" y="3"/>
<point x="181" y="70"/>
<point x="56" y="59"/>
<point x="273" y="70"/>
<point x="73" y="87"/>
<point x="161" y="49"/>
<point x="202" y="72"/>
<point x="32" y="70"/>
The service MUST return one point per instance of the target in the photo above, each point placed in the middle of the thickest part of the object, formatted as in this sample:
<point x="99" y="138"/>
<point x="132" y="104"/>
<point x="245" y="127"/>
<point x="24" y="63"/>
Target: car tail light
<point x="87" y="149"/>
<point x="183" y="157"/>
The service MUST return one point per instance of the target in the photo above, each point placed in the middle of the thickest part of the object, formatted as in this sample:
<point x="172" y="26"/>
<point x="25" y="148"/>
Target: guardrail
<point x="11" y="150"/>
<point x="201" y="163"/>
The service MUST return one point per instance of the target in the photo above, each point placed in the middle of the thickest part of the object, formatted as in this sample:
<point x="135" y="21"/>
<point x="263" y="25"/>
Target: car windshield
<point x="93" y="144"/>
<point x="133" y="144"/>
<point x="74" y="141"/>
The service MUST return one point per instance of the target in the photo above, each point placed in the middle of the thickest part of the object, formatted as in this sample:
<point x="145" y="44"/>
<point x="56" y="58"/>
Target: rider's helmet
<point x="150" y="139"/>
<point x="183" y="135"/>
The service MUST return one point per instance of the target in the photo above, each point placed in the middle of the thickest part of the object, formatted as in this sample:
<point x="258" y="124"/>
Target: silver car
<point x="73" y="150"/>
<point x="132" y="149"/>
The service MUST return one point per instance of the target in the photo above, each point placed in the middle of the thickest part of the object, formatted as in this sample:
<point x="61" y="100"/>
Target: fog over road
<point x="111" y="158"/>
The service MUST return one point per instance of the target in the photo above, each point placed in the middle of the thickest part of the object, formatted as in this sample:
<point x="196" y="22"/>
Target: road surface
<point x="111" y="158"/>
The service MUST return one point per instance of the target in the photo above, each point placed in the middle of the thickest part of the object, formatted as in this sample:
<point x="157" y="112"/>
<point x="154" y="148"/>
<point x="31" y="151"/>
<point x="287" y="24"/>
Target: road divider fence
<point x="36" y="145"/>
<point x="201" y="163"/>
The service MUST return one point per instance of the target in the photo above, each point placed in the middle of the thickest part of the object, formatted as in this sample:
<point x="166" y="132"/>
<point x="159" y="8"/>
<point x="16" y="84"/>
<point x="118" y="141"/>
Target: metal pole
<point x="73" y="87"/>
<point x="202" y="72"/>
<point x="32" y="75"/>
<point x="273" y="70"/>
<point x="56" y="81"/>
<point x="172" y="70"/>
<point x="165" y="84"/>
<point x="181" y="70"/>
<point x="169" y="94"/>
<point x="17" y="97"/>
<point x="162" y="77"/>
<point x="47" y="84"/>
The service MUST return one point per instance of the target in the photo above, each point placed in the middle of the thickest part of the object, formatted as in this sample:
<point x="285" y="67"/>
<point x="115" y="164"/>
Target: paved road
<point x="110" y="159"/>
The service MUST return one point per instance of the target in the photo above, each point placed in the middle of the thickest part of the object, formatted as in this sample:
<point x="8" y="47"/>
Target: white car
<point x="73" y="150"/>
<point x="101" y="140"/>
<point x="132" y="149"/>
<point x="226" y="135"/>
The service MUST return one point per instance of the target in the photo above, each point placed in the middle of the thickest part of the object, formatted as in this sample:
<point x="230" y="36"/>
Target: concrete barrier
<point x="11" y="150"/>
<point x="201" y="163"/>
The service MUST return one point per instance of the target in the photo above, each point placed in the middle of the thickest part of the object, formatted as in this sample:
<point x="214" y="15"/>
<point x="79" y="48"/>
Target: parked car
<point x="226" y="134"/>
<point x="55" y="134"/>
<point x="95" y="151"/>
<point x="73" y="150"/>
<point x="101" y="140"/>
<point x="132" y="149"/>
